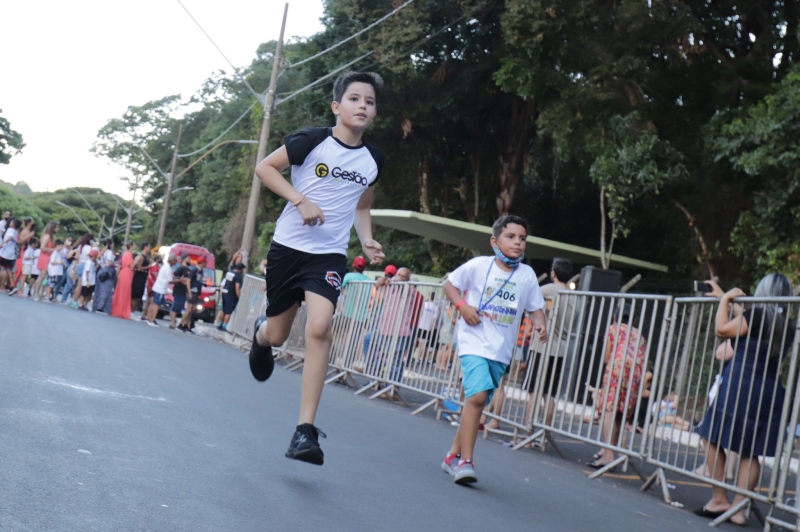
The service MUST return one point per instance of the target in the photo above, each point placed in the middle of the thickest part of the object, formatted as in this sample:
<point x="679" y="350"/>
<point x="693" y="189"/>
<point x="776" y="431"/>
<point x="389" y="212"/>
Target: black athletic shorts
<point x="7" y="263"/>
<point x="551" y="377"/>
<point x="291" y="272"/>
<point x="87" y="291"/>
<point x="229" y="303"/>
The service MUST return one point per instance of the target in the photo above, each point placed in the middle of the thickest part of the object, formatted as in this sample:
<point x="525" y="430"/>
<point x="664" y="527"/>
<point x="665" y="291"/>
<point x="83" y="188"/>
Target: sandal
<point x="600" y="465"/>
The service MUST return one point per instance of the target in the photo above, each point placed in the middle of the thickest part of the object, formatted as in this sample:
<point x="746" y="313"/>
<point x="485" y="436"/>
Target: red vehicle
<point x="206" y="307"/>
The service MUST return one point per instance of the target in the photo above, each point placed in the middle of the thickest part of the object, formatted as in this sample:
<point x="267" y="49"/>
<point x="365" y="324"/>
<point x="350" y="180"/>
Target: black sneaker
<point x="261" y="361"/>
<point x="305" y="445"/>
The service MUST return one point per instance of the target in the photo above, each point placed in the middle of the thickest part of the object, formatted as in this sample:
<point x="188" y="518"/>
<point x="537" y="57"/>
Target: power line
<point x="353" y="36"/>
<point x="247" y="112"/>
<point x="235" y="70"/>
<point x="323" y="78"/>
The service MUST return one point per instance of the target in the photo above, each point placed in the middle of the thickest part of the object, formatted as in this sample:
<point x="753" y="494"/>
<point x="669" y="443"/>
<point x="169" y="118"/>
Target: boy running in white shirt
<point x="333" y="173"/>
<point x="496" y="292"/>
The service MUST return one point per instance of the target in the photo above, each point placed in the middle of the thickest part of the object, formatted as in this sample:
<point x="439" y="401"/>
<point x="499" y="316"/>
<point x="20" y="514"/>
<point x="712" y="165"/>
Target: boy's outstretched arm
<point x="538" y="319"/>
<point x="363" y="225"/>
<point x="269" y="172"/>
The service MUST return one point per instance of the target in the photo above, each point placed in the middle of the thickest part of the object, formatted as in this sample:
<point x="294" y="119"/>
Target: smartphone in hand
<point x="702" y="287"/>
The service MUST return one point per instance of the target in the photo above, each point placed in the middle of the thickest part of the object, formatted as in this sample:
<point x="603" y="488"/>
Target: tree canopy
<point x="672" y="123"/>
<point x="11" y="142"/>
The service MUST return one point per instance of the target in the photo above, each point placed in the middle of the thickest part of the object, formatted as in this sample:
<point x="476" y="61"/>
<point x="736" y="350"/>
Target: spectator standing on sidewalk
<point x="160" y="287"/>
<point x="141" y="265"/>
<point x="55" y="270"/>
<point x="8" y="256"/>
<point x="560" y="272"/>
<point x="121" y="305"/>
<point x="65" y="283"/>
<point x="152" y="274"/>
<point x="46" y="246"/>
<point x="7" y="215"/>
<point x="106" y="279"/>
<point x="231" y="292"/>
<point x="88" y="279"/>
<point x="81" y="254"/>
<point x="196" y="283"/>
<point x="403" y="304"/>
<point x="180" y="290"/>
<point x="491" y="294"/>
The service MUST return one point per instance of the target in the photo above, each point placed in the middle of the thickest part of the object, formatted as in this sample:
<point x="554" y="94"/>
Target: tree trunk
<point x="514" y="136"/>
<point x="424" y="203"/>
<point x="705" y="254"/>
<point x="603" y="259"/>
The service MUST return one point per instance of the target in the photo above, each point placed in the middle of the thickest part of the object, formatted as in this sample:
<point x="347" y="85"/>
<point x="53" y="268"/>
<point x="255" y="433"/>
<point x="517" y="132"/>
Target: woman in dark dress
<point x="141" y="266"/>
<point x="745" y="415"/>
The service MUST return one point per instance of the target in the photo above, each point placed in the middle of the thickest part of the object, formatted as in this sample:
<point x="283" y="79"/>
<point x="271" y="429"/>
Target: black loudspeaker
<point x="595" y="280"/>
<point x="599" y="280"/>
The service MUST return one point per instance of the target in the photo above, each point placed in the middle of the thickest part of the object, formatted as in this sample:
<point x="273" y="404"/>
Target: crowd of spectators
<point x="91" y="275"/>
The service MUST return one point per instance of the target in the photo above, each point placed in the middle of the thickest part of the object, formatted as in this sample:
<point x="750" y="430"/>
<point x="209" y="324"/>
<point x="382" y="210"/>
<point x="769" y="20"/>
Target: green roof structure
<point x="476" y="237"/>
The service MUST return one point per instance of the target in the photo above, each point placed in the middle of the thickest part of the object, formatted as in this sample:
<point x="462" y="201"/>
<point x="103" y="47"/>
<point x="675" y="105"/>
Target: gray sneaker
<point x="450" y="464"/>
<point x="465" y="474"/>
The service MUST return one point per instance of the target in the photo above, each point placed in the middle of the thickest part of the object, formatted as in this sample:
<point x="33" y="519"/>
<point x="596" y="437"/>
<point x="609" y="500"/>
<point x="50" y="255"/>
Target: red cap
<point x="93" y="253"/>
<point x="390" y="270"/>
<point x="359" y="262"/>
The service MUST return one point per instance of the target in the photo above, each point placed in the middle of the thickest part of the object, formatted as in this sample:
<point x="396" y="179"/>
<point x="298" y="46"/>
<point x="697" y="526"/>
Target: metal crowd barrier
<point x="732" y="389"/>
<point x="590" y="384"/>
<point x="635" y="375"/>
<point x="252" y="304"/>
<point x="398" y="336"/>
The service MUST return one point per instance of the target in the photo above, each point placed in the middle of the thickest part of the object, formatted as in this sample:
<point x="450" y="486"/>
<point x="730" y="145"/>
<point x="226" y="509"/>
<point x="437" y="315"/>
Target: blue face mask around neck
<point x="511" y="263"/>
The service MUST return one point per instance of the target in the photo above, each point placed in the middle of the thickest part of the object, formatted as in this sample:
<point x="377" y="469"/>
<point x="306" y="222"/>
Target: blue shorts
<point x="481" y="375"/>
<point x="178" y="303"/>
<point x="158" y="299"/>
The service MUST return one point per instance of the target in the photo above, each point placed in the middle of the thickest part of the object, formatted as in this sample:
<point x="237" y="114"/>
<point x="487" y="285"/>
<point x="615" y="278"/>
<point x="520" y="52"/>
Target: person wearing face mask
<point x="491" y="294"/>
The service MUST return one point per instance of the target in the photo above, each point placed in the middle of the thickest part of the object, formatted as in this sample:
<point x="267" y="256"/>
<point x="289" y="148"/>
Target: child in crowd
<point x="8" y="254"/>
<point x="88" y="279"/>
<point x="28" y="260"/>
<point x="333" y="173"/>
<point x="35" y="271"/>
<point x="491" y="294"/>
<point x="55" y="269"/>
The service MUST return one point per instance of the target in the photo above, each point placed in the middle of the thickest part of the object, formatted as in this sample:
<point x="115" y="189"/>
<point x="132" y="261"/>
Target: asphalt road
<point x="111" y="425"/>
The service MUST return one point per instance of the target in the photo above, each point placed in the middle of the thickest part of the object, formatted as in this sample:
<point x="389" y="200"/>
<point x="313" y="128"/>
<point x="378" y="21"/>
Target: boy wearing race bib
<point x="491" y="295"/>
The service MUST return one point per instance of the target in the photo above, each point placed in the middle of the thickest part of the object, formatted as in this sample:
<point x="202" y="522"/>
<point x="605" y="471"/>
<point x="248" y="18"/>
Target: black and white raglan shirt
<point x="333" y="176"/>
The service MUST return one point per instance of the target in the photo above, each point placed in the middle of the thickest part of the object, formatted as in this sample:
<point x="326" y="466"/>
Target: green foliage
<point x="21" y="206"/>
<point x="519" y="105"/>
<point x="763" y="144"/>
<point x="632" y="163"/>
<point x="11" y="142"/>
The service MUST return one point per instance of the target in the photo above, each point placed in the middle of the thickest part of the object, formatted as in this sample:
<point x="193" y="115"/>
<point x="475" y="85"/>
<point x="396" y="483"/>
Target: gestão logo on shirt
<point x="353" y="177"/>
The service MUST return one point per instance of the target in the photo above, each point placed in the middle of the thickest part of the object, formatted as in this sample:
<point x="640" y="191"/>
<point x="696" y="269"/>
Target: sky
<point x="68" y="67"/>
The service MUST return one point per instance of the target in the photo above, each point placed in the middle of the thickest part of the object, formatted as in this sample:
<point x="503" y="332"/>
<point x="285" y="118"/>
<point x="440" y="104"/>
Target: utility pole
<point x="170" y="182"/>
<point x="255" y="187"/>
<point x="113" y="221"/>
<point x="130" y="211"/>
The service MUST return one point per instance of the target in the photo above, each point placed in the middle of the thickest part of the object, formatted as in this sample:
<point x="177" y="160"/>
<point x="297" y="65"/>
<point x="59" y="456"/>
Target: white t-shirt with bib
<point x="333" y="176"/>
<point x="502" y="297"/>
